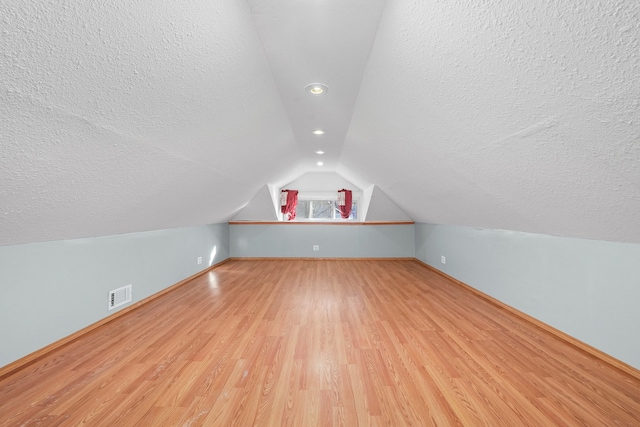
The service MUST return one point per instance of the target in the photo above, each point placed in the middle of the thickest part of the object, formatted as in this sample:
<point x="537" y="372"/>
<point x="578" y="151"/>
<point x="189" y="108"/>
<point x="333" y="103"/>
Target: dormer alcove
<point x="379" y="230"/>
<point x="373" y="205"/>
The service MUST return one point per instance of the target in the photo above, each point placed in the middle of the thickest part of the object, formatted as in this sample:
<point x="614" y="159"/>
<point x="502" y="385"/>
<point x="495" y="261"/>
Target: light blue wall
<point x="335" y="241"/>
<point x="53" y="289"/>
<point x="588" y="289"/>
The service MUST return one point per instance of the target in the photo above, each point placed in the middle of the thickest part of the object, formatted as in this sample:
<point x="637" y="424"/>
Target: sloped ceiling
<point x="505" y="115"/>
<point x="130" y="116"/>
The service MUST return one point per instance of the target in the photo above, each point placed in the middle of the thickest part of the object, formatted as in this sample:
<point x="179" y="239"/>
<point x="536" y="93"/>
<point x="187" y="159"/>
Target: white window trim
<point x="329" y="195"/>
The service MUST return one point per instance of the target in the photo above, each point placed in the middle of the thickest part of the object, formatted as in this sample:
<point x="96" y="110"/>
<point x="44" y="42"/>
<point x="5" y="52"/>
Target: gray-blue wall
<point x="586" y="288"/>
<point x="53" y="289"/>
<point x="335" y="241"/>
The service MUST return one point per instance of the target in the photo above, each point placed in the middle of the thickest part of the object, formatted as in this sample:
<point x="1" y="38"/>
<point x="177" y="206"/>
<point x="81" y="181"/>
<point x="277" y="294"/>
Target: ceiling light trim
<point x="316" y="89"/>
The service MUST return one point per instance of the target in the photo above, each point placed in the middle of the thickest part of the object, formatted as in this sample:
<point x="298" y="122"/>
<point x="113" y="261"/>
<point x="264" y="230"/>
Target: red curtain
<point x="288" y="204"/>
<point x="344" y="203"/>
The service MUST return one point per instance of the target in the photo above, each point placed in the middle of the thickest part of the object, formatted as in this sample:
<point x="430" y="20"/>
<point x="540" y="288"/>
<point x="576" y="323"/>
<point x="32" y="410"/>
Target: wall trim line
<point x="27" y="360"/>
<point x="321" y="222"/>
<point x="319" y="259"/>
<point x="586" y="348"/>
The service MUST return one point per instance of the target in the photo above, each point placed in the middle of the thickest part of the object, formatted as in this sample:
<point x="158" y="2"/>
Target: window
<point x="323" y="210"/>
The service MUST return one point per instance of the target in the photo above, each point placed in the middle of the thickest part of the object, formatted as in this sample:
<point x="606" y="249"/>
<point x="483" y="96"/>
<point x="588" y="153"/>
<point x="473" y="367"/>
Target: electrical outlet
<point x="443" y="259"/>
<point x="316" y="248"/>
<point x="199" y="260"/>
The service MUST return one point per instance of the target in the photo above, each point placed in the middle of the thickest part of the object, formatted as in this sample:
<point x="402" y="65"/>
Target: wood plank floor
<point x="319" y="343"/>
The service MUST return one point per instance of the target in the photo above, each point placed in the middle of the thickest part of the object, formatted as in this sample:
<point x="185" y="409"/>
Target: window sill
<point x="321" y="222"/>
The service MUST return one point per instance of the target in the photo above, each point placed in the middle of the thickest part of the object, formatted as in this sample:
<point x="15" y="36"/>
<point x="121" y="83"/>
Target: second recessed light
<point x="318" y="132"/>
<point x="316" y="89"/>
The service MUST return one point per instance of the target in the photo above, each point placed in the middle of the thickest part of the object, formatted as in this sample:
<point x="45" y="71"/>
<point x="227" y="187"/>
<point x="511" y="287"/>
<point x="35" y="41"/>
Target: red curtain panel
<point x="344" y="203"/>
<point x="288" y="204"/>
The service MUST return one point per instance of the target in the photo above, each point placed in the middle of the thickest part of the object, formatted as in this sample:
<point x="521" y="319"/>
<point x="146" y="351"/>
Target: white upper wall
<point x="375" y="205"/>
<point x="321" y="182"/>
<point x="380" y="208"/>
<point x="262" y="207"/>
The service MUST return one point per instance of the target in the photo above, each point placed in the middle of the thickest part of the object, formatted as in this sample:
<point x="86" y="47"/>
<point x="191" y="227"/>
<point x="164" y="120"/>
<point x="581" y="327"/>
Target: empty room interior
<point x="319" y="212"/>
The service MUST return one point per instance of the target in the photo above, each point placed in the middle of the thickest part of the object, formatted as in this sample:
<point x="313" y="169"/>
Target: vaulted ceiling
<point x="119" y="117"/>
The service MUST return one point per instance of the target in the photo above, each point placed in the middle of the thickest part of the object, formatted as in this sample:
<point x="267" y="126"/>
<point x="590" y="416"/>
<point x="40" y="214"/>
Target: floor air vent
<point x="119" y="296"/>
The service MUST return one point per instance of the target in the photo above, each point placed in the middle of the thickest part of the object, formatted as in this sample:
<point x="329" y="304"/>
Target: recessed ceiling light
<point x="319" y="152"/>
<point x="318" y="132"/>
<point x="319" y="163"/>
<point x="316" y="89"/>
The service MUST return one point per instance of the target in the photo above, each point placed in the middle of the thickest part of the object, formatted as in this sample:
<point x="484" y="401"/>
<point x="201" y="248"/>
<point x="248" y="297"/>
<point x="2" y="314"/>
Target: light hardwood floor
<point x="319" y="343"/>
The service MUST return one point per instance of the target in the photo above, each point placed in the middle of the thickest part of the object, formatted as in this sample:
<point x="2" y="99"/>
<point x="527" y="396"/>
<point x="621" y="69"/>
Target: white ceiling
<point x="118" y="117"/>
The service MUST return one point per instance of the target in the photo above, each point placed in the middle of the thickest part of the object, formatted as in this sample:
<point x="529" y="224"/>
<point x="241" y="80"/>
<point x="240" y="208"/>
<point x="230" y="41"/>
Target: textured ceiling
<point x="130" y="116"/>
<point x="505" y="115"/>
